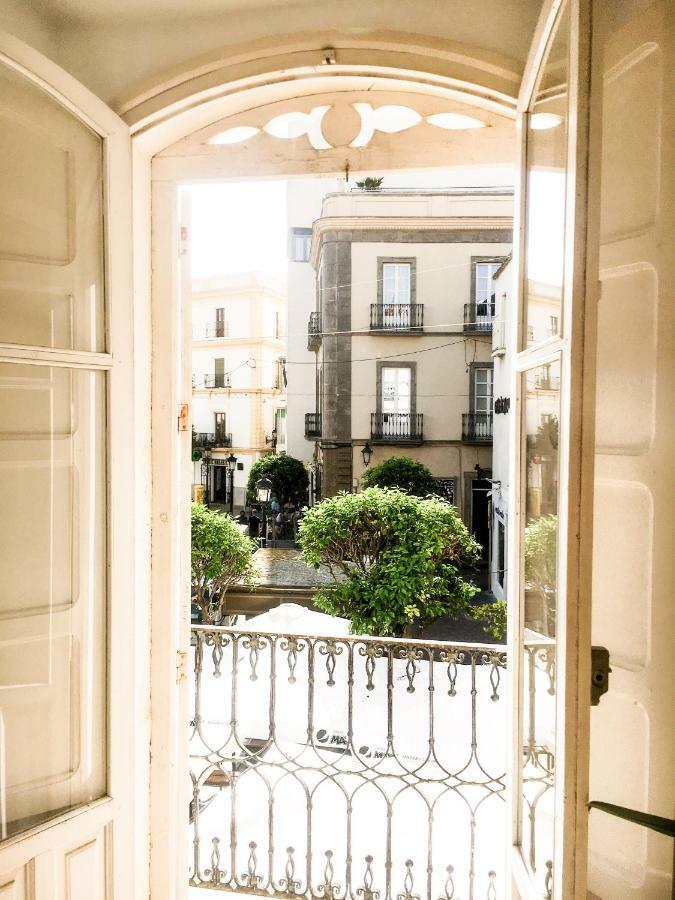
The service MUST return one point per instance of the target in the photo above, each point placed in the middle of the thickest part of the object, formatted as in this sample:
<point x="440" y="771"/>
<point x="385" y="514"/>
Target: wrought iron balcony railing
<point x="314" y="331"/>
<point x="396" y="316"/>
<point x="479" y="317"/>
<point x="213" y="331"/>
<point x="477" y="428"/>
<point x="346" y="767"/>
<point x="211" y="381"/>
<point x="312" y="425"/>
<point x="208" y="440"/>
<point x="397" y="427"/>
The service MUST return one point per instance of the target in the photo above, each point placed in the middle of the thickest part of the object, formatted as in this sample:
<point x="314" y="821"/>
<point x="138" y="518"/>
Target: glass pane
<point x="52" y="591"/>
<point x="541" y="414"/>
<point x="51" y="222"/>
<point x="546" y="165"/>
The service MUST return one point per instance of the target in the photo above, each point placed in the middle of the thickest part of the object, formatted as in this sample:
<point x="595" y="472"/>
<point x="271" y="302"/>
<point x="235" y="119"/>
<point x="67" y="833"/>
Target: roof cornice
<point x="402" y="223"/>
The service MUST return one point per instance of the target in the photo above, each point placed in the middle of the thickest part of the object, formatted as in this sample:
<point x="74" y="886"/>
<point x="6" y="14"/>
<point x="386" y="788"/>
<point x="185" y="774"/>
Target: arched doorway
<point x="446" y="123"/>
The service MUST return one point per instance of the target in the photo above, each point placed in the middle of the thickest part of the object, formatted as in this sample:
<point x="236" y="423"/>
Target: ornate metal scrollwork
<point x="287" y="730"/>
<point x="408" y="883"/>
<point x="331" y="650"/>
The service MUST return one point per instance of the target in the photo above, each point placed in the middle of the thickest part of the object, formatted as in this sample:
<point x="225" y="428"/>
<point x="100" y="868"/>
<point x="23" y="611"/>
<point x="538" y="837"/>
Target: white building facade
<point x="238" y="378"/>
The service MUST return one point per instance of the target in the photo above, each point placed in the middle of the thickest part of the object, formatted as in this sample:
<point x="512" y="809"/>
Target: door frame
<point x="119" y="816"/>
<point x="576" y="465"/>
<point x="163" y="340"/>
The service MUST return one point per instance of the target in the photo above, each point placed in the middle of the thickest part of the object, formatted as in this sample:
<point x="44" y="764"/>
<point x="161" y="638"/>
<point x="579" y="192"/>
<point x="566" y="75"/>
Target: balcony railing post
<point x="396" y="316"/>
<point x="479" y="316"/>
<point x="396" y="427"/>
<point x="477" y="427"/>
<point x="312" y="425"/>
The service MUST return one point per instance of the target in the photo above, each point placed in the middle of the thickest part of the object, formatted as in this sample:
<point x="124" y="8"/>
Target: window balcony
<point x="389" y="317"/>
<point x="477" y="428"/>
<point x="478" y="317"/>
<point x="396" y="428"/>
<point x="204" y="440"/>
<point x="320" y="768"/>
<point x="312" y="425"/>
<point x="314" y="331"/>
<point x="211" y="381"/>
<point x="214" y="331"/>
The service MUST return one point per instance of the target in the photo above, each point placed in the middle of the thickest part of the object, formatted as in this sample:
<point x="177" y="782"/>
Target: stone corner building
<point x="402" y="335"/>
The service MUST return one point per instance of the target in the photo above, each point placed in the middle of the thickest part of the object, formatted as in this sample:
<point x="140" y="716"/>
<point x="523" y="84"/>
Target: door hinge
<point x="181" y="666"/>
<point x="599" y="673"/>
<point x="184" y="417"/>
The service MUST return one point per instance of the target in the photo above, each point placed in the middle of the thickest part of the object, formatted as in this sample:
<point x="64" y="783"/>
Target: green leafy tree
<point x="403" y="473"/>
<point x="541" y="547"/>
<point x="494" y="617"/>
<point x="288" y="476"/>
<point x="395" y="559"/>
<point x="221" y="556"/>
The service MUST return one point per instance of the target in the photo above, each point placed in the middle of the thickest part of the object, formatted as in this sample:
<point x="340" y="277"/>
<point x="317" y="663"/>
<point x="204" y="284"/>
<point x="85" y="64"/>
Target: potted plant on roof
<point x="370" y="184"/>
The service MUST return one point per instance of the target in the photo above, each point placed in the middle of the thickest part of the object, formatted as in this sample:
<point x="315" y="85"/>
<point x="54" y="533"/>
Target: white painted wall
<point x="500" y="422"/>
<point x="255" y="312"/>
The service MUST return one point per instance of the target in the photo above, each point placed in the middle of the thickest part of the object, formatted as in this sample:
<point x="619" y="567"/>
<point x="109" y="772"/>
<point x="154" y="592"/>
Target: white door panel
<point x="66" y="522"/>
<point x="633" y="519"/>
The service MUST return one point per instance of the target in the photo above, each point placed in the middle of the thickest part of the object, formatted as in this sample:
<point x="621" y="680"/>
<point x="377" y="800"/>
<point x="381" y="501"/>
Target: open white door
<point x="68" y="779"/>
<point x="551" y="478"/>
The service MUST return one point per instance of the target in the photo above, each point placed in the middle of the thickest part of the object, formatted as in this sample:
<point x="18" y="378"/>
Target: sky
<point x="239" y="227"/>
<point x="242" y="226"/>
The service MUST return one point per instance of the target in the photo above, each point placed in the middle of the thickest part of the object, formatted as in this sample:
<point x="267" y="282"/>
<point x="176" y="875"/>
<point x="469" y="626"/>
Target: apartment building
<point x="238" y="378"/>
<point x="402" y="336"/>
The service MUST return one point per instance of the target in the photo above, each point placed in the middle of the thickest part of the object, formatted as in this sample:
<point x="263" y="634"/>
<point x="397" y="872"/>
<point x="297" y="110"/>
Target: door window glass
<point x="546" y="184"/>
<point x="482" y="398"/>
<point x="396" y="283"/>
<point x="539" y="548"/>
<point x="485" y="286"/>
<point x="396" y="389"/>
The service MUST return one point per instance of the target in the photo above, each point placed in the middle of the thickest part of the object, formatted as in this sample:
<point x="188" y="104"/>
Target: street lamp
<point x="263" y="492"/>
<point x="367" y="452"/>
<point x="230" y="465"/>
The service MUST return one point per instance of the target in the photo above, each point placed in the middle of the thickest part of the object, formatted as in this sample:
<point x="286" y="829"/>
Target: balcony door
<point x="67" y="692"/>
<point x="552" y="465"/>
<point x="220" y="428"/>
<point x="396" y="293"/>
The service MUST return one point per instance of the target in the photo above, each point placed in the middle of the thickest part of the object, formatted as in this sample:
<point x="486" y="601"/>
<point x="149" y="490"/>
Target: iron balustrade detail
<point x="208" y="440"/>
<point x="211" y="381"/>
<point x="397" y="427"/>
<point x="478" y="317"/>
<point x="477" y="428"/>
<point x="396" y="316"/>
<point x="347" y="768"/>
<point x="216" y="330"/>
<point x="312" y="425"/>
<point x="314" y="331"/>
